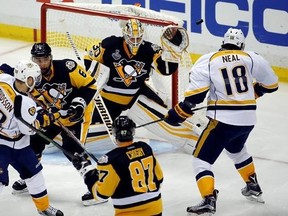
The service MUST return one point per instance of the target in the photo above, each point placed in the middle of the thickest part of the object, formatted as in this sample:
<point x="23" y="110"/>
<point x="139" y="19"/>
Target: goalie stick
<point x="64" y="128"/>
<point x="162" y="119"/>
<point x="17" y="113"/>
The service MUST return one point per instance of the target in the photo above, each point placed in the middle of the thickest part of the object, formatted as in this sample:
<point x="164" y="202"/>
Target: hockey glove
<point x="76" y="109"/>
<point x="45" y="119"/>
<point x="178" y="114"/>
<point x="174" y="41"/>
<point x="82" y="163"/>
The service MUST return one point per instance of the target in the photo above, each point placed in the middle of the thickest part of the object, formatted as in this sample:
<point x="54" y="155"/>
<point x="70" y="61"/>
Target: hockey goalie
<point x="130" y="60"/>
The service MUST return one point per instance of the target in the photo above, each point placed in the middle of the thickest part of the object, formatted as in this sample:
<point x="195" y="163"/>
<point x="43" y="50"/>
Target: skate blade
<point x="93" y="202"/>
<point x="256" y="199"/>
<point x="203" y="214"/>
<point x="18" y="192"/>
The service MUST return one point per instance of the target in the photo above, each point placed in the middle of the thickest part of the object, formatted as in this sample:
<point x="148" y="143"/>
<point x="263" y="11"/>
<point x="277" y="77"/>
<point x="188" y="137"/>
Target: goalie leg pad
<point x="146" y="110"/>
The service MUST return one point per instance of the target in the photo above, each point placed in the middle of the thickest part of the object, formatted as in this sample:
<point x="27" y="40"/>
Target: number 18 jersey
<point x="230" y="75"/>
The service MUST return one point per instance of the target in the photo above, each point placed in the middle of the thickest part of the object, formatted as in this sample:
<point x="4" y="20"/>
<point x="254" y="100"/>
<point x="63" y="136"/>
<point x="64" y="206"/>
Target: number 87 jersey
<point x="132" y="177"/>
<point x="231" y="75"/>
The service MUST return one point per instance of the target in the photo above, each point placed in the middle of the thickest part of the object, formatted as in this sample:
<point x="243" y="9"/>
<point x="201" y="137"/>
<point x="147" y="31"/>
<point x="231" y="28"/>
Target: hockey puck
<point x="199" y="21"/>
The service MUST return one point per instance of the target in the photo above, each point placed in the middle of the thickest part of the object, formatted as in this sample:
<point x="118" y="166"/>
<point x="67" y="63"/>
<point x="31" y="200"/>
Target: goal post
<point x="87" y="23"/>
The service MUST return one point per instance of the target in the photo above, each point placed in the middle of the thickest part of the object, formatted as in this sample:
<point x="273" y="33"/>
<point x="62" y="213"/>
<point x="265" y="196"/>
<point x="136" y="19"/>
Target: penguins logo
<point x="55" y="94"/>
<point x="129" y="71"/>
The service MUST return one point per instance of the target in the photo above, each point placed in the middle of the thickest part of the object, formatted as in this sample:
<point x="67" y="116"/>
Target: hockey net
<point x="88" y="23"/>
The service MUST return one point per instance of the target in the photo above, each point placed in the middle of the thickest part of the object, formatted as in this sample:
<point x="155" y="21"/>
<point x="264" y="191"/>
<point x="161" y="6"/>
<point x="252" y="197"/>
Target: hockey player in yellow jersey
<point x="129" y="174"/>
<point x="15" y="135"/>
<point x="66" y="88"/>
<point x="235" y="79"/>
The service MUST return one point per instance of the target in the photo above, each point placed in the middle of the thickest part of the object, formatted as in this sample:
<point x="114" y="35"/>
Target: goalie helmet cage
<point x="88" y="23"/>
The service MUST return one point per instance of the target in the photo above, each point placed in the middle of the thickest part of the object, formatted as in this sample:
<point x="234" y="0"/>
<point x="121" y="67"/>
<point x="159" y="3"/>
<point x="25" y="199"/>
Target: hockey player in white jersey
<point x="15" y="135"/>
<point x="235" y="78"/>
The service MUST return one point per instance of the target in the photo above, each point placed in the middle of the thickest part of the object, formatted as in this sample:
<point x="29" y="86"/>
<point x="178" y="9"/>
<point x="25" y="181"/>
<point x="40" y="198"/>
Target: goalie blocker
<point x="184" y="135"/>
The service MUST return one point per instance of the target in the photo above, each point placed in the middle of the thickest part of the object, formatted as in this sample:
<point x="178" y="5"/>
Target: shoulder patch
<point x="70" y="65"/>
<point x="103" y="159"/>
<point x="32" y="111"/>
<point x="155" y="47"/>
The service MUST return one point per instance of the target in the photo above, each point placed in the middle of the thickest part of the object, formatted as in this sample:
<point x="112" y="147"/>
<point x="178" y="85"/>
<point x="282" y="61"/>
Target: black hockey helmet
<point x="123" y="129"/>
<point x="40" y="50"/>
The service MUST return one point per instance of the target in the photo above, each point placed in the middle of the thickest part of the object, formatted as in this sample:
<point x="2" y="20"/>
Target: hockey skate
<point x="19" y="187"/>
<point x="88" y="200"/>
<point x="252" y="191"/>
<point x="51" y="211"/>
<point x="206" y="207"/>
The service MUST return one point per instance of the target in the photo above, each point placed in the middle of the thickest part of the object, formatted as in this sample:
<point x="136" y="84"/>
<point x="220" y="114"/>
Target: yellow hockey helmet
<point x="133" y="33"/>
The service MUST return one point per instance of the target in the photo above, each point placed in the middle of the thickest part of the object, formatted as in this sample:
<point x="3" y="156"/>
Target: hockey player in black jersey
<point x="65" y="88"/>
<point x="129" y="174"/>
<point x="130" y="59"/>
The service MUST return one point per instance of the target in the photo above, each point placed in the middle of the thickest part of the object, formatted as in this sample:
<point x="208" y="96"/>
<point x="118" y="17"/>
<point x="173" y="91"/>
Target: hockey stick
<point x="17" y="113"/>
<point x="64" y="128"/>
<point x="162" y="119"/>
<point x="73" y="45"/>
<point x="100" y="105"/>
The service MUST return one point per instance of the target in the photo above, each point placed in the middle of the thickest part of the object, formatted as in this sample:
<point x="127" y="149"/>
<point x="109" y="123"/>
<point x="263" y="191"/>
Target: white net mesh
<point x="87" y="26"/>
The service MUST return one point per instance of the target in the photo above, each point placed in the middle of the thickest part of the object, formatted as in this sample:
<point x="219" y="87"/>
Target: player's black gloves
<point x="89" y="172"/>
<point x="5" y="68"/>
<point x="178" y="114"/>
<point x="76" y="109"/>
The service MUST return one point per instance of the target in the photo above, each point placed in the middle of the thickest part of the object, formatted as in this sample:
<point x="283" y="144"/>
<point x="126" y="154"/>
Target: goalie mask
<point x="123" y="129"/>
<point x="29" y="73"/>
<point x="235" y="37"/>
<point x="133" y="33"/>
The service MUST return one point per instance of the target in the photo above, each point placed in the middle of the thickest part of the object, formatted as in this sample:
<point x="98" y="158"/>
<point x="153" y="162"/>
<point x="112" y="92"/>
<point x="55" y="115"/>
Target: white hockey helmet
<point x="234" y="36"/>
<point x="133" y="33"/>
<point x="27" y="69"/>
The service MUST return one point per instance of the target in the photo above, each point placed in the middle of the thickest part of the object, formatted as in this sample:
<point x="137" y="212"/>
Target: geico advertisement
<point x="263" y="22"/>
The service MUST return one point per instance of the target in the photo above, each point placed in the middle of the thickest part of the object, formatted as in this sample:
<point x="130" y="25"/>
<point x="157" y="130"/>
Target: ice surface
<point x="268" y="144"/>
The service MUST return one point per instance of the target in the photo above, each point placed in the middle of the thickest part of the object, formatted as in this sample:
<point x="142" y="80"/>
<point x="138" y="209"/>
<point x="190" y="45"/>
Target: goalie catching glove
<point x="179" y="113"/>
<point x="174" y="41"/>
<point x="76" y="109"/>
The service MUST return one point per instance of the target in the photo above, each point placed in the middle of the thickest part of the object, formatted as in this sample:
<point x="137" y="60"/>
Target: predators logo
<point x="55" y="94"/>
<point x="129" y="71"/>
<point x="32" y="111"/>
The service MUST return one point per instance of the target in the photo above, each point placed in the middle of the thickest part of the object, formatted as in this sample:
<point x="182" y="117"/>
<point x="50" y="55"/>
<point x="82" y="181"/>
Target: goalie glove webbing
<point x="174" y="41"/>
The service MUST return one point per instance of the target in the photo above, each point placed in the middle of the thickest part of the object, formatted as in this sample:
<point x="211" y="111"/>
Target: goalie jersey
<point x="13" y="130"/>
<point x="128" y="73"/>
<point x="131" y="176"/>
<point x="231" y="77"/>
<point x="67" y="81"/>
